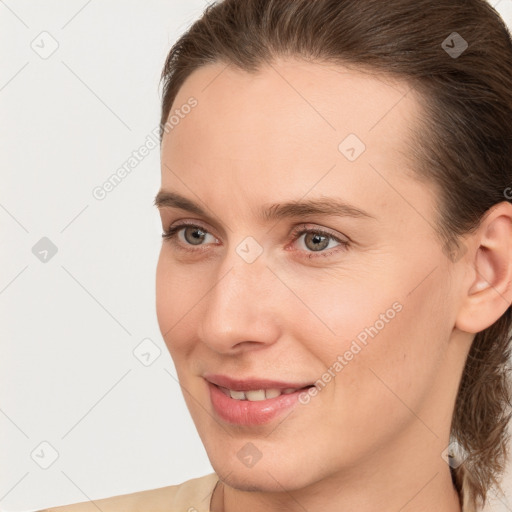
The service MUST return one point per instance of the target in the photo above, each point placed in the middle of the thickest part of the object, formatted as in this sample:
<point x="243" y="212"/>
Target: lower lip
<point x="246" y="412"/>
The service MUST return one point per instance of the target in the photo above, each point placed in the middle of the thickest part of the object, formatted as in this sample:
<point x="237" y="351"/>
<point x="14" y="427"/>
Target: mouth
<point x="258" y="395"/>
<point x="252" y="402"/>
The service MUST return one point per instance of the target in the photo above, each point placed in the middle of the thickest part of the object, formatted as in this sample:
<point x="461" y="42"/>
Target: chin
<point x="262" y="478"/>
<point x="253" y="483"/>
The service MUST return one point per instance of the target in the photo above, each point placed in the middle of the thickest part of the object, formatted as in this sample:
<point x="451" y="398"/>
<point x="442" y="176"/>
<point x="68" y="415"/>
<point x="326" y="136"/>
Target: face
<point x="356" y="300"/>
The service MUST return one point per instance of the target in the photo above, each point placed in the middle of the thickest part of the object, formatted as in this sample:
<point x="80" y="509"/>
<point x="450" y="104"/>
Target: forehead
<point x="291" y="106"/>
<point x="291" y="127"/>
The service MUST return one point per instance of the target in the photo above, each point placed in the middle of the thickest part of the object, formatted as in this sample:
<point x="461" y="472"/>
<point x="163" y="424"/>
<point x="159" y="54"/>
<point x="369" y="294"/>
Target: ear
<point x="488" y="283"/>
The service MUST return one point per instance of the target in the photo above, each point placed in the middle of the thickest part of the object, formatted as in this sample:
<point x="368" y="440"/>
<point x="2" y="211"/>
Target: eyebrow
<point x="271" y="212"/>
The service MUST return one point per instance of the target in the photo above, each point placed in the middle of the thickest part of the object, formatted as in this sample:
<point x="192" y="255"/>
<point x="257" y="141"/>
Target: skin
<point x="372" y="438"/>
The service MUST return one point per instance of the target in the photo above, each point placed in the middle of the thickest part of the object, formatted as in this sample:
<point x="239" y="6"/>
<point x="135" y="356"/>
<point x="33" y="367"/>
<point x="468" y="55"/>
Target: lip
<point x="253" y="384"/>
<point x="245" y="412"/>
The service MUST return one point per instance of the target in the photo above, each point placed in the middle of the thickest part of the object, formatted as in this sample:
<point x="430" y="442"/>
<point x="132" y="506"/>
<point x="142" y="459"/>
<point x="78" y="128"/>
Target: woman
<point x="335" y="280"/>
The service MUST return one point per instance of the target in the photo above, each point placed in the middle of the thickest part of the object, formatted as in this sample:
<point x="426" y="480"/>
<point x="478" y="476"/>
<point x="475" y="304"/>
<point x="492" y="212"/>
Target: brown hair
<point x="463" y="143"/>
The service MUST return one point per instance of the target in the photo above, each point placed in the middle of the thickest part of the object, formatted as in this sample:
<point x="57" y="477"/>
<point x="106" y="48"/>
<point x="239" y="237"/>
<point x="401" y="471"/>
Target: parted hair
<point x="462" y="143"/>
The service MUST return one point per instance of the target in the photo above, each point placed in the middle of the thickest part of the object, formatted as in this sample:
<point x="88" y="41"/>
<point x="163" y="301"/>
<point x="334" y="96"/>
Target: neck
<point x="439" y="498"/>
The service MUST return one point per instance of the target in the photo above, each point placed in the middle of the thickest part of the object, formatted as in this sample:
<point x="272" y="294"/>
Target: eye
<point x="192" y="235"/>
<point x="316" y="240"/>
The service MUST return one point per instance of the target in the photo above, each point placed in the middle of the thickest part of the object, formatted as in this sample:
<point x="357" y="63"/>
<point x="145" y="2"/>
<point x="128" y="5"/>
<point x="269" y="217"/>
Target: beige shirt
<point x="191" y="496"/>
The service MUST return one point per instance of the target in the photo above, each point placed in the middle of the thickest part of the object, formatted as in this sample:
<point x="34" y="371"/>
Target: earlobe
<point x="489" y="293"/>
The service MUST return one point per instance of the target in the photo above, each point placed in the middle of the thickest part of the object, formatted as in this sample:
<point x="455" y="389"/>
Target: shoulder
<point x="191" y="495"/>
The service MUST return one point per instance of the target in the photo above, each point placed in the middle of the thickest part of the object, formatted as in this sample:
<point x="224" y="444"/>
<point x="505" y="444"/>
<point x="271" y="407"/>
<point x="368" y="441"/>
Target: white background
<point x="69" y="326"/>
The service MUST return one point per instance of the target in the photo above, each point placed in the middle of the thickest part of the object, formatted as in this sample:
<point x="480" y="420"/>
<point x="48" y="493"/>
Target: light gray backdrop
<point x="89" y="402"/>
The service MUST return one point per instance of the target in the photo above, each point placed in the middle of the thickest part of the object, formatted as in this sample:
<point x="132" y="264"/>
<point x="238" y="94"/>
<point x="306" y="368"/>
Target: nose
<point x="241" y="309"/>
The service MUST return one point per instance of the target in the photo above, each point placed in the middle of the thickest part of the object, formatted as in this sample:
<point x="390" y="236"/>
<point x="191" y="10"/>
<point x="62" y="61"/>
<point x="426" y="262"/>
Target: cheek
<point x="174" y="289"/>
<point x="171" y="296"/>
<point x="180" y="294"/>
<point x="396" y="367"/>
<point x="336" y="309"/>
<point x="384" y="343"/>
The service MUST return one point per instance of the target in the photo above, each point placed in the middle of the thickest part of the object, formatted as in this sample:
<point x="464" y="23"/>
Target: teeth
<point x="237" y="395"/>
<point x="272" y="393"/>
<point x="257" y="395"/>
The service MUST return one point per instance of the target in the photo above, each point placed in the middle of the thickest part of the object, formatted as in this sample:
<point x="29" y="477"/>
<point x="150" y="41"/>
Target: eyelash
<point x="170" y="235"/>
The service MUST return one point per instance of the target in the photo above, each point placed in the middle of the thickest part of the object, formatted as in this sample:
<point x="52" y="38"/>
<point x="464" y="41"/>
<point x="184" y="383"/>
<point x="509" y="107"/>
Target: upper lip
<point x="252" y="384"/>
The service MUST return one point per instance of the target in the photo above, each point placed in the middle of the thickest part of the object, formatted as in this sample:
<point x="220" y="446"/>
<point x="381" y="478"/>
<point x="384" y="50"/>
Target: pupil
<point x="316" y="238"/>
<point x="195" y="236"/>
